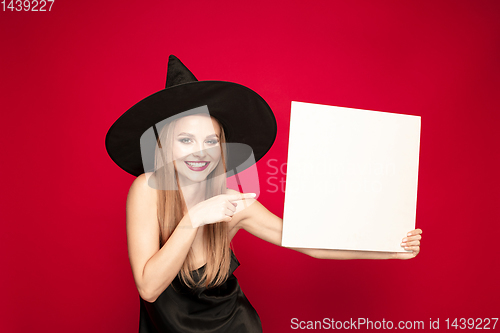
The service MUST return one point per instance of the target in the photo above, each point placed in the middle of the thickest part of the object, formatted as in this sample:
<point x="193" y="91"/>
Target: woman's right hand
<point x="220" y="208"/>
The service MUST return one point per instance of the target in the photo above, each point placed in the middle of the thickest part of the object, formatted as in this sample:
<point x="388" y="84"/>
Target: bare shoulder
<point x="141" y="199"/>
<point x="144" y="182"/>
<point x="141" y="186"/>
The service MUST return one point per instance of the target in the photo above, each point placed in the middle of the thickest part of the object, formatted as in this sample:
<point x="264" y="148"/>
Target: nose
<point x="200" y="152"/>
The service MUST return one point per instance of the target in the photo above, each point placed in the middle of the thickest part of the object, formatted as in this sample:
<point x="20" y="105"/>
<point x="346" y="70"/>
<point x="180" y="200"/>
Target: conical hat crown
<point x="178" y="73"/>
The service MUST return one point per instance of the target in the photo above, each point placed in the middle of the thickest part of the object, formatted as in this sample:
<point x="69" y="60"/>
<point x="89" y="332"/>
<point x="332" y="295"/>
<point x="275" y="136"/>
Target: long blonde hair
<point x="171" y="206"/>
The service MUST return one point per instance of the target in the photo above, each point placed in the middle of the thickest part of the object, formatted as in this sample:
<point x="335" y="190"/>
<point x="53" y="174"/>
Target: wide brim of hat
<point x="244" y="114"/>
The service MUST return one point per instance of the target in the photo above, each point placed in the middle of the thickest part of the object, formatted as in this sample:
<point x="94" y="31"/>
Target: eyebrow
<point x="191" y="135"/>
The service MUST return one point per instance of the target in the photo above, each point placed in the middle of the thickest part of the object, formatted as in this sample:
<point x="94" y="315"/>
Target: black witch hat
<point x="245" y="116"/>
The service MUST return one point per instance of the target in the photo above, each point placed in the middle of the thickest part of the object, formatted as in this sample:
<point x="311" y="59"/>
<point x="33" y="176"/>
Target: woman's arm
<point x="153" y="268"/>
<point x="260" y="222"/>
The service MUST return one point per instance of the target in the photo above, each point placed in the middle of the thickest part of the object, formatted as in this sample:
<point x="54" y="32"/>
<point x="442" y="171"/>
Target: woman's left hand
<point x="410" y="242"/>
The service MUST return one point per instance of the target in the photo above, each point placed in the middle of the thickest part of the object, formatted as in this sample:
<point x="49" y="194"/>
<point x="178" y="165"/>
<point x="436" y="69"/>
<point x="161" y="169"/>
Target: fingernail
<point x="405" y="239"/>
<point x="409" y="234"/>
<point x="253" y="194"/>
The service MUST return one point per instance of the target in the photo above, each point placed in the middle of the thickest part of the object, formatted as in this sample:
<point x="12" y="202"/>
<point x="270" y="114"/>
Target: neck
<point x="193" y="193"/>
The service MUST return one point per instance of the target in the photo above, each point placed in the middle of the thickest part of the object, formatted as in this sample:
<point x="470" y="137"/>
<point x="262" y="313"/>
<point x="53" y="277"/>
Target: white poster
<point x="351" y="178"/>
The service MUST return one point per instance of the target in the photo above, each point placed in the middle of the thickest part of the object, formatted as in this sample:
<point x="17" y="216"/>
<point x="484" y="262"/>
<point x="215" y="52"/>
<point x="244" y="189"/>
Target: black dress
<point x="217" y="310"/>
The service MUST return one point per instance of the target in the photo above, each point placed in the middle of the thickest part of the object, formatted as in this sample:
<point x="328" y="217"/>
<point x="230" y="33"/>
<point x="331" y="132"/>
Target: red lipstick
<point x="197" y="165"/>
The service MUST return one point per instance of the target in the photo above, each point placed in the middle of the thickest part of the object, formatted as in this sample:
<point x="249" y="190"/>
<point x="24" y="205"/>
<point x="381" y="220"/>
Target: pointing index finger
<point x="241" y="196"/>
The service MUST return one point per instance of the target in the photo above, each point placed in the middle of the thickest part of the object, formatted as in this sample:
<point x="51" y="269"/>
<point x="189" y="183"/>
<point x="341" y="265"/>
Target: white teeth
<point x="197" y="165"/>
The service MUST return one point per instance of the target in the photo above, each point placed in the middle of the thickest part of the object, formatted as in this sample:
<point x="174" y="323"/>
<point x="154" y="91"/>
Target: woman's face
<point x="196" y="147"/>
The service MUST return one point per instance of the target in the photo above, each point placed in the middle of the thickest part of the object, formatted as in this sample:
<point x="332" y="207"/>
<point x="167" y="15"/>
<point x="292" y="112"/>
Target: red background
<point x="68" y="74"/>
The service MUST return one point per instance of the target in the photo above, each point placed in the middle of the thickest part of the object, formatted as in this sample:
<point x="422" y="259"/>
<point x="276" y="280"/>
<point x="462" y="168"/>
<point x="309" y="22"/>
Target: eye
<point x="212" y="142"/>
<point x="185" y="140"/>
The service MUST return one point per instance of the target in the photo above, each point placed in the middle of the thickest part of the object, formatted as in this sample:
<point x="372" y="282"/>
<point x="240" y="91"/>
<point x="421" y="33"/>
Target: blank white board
<point x="351" y="178"/>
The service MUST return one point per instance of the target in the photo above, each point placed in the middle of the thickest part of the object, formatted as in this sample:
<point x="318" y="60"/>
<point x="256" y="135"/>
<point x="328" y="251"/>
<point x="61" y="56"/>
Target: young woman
<point x="181" y="217"/>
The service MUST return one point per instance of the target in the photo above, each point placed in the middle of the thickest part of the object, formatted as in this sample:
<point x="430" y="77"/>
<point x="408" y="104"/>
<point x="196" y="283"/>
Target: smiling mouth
<point x="197" y="166"/>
